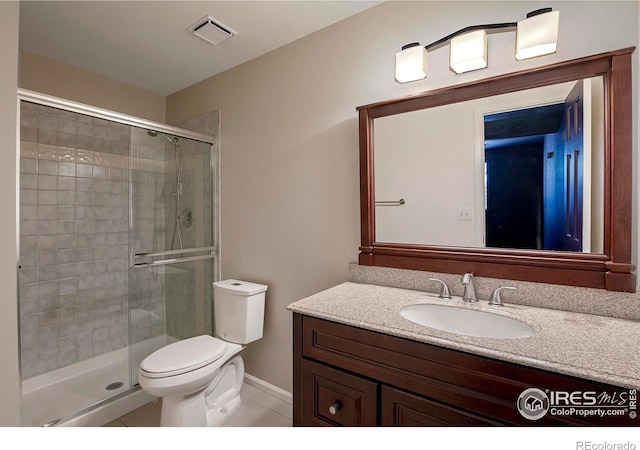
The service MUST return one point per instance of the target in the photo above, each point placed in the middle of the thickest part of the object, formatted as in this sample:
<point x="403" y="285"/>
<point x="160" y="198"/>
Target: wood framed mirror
<point x="606" y="264"/>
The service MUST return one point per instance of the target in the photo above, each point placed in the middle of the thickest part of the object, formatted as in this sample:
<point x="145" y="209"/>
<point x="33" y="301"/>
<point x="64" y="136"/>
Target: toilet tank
<point x="238" y="308"/>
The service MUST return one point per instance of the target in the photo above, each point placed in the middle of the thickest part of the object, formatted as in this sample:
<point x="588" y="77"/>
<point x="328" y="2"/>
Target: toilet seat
<point x="183" y="356"/>
<point x="201" y="360"/>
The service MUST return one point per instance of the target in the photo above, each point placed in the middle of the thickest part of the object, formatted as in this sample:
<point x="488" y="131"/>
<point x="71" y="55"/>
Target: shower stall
<point x="118" y="250"/>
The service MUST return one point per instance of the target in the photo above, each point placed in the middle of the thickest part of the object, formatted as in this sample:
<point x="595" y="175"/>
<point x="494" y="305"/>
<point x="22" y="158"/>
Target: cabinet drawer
<point x="331" y="397"/>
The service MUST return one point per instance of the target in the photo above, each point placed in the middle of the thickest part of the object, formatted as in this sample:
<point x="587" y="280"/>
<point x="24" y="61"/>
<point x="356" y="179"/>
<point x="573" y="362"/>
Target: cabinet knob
<point x="333" y="409"/>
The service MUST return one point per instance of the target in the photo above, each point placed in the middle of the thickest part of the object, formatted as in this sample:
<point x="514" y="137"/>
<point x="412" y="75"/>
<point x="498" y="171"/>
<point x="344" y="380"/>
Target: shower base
<point x="57" y="397"/>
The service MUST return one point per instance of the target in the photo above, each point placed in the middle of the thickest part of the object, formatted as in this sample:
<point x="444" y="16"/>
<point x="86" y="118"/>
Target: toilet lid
<point x="183" y="356"/>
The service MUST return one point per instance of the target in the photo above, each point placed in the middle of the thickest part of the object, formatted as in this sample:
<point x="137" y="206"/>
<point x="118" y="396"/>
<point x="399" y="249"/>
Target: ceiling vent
<point x="211" y="30"/>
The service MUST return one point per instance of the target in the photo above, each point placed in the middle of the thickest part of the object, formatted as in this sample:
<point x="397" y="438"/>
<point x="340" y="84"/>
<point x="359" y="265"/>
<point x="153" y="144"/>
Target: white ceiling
<point x="146" y="43"/>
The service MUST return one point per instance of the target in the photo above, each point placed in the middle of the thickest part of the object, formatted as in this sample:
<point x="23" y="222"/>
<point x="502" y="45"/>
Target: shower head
<point x="173" y="141"/>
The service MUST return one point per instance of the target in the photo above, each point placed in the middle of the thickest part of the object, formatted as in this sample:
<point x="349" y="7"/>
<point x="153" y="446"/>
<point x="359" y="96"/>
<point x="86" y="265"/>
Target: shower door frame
<point x="93" y="111"/>
<point x="101" y="113"/>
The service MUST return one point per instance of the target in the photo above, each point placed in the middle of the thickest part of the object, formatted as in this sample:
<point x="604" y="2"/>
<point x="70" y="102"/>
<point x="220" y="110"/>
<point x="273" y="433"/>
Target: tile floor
<point x="258" y="409"/>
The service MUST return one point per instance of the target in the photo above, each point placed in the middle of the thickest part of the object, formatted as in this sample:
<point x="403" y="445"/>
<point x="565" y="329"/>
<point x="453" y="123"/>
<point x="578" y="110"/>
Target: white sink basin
<point x="466" y="321"/>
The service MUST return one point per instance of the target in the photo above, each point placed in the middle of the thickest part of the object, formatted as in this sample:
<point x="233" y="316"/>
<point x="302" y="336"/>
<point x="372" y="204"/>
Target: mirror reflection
<point x="523" y="170"/>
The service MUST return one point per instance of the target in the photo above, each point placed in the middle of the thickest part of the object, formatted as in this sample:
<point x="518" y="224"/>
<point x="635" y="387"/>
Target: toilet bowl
<point x="199" y="379"/>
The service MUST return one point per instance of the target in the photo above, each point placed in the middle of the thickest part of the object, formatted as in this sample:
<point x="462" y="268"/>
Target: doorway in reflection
<point x="534" y="176"/>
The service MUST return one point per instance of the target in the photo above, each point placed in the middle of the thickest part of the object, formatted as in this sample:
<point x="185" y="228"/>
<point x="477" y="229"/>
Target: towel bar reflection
<point x="391" y="203"/>
<point x="133" y="256"/>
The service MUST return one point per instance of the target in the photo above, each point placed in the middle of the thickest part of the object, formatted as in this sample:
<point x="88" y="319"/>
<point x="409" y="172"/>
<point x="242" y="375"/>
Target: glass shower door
<point x="116" y="260"/>
<point x="73" y="265"/>
<point x="171" y="259"/>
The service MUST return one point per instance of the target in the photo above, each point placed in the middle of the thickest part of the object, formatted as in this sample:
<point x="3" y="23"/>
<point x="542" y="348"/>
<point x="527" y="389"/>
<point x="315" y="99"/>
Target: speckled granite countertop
<point x="592" y="347"/>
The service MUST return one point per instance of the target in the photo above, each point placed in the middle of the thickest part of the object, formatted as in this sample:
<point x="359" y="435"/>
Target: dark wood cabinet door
<point x="332" y="397"/>
<point x="401" y="409"/>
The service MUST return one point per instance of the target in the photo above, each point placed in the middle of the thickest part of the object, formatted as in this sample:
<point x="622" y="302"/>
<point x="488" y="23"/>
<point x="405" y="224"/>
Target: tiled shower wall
<point x="74" y="240"/>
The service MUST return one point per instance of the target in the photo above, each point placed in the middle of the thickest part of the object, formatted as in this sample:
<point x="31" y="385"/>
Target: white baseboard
<point x="269" y="388"/>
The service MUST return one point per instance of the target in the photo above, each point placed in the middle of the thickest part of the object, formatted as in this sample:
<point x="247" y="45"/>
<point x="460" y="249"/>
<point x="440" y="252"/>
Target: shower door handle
<point x="134" y="263"/>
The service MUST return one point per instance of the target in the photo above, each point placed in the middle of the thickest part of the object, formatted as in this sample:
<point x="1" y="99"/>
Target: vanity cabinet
<point x="347" y="376"/>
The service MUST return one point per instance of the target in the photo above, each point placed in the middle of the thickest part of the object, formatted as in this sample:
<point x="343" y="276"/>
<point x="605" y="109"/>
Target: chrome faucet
<point x="469" y="288"/>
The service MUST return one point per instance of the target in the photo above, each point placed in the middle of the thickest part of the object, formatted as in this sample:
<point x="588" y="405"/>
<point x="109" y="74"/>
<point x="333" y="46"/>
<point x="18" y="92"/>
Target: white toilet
<point x="199" y="378"/>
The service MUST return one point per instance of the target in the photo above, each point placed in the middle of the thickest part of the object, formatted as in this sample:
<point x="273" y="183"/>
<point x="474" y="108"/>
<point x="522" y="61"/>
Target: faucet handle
<point x="444" y="289"/>
<point x="496" y="299"/>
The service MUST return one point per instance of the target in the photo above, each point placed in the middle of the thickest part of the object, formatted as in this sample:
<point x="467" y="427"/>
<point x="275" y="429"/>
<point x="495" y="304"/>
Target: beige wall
<point x="9" y="374"/>
<point x="48" y="76"/>
<point x="289" y="138"/>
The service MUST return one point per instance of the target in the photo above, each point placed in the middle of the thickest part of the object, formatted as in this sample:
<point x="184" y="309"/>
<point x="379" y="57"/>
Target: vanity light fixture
<point x="468" y="51"/>
<point x="411" y="63"/>
<point x="536" y="35"/>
